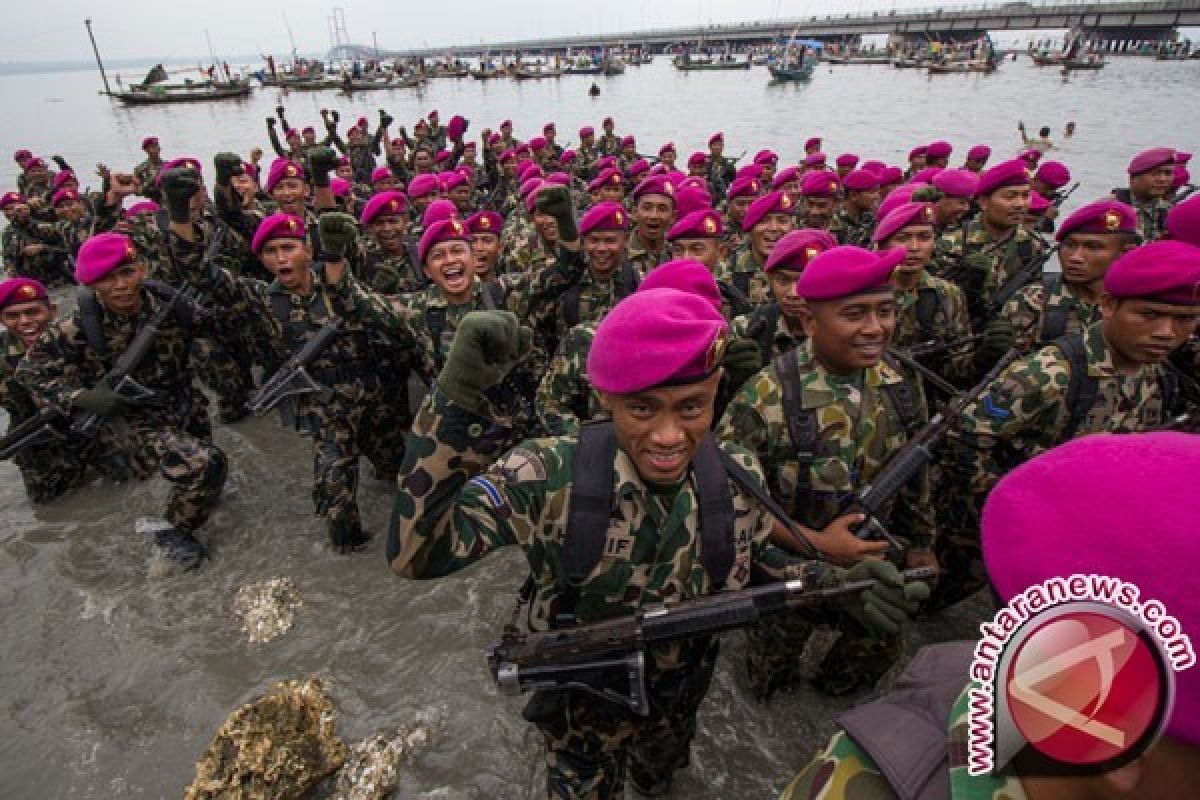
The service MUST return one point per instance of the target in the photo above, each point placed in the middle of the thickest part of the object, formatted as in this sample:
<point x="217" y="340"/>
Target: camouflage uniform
<point x="745" y="272"/>
<point x="936" y="311"/>
<point x="50" y="266"/>
<point x="174" y="439"/>
<point x="1007" y="256"/>
<point x="1024" y="413"/>
<point x="386" y="273"/>
<point x="848" y="230"/>
<point x="766" y="326"/>
<point x="146" y="174"/>
<point x="1151" y="214"/>
<point x="1027" y="311"/>
<point x="609" y="144"/>
<point x="361" y="155"/>
<point x="452" y="509"/>
<point x="644" y="259"/>
<point x="721" y="172"/>
<point x="565" y="396"/>
<point x="857" y="429"/>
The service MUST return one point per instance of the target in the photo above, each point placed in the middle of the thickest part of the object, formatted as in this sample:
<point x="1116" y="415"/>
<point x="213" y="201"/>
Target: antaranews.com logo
<point x="1080" y="669"/>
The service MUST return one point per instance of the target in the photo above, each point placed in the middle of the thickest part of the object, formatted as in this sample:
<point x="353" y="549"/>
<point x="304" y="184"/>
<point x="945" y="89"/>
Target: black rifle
<point x="932" y="347"/>
<point x="1019" y="279"/>
<point x="292" y="379"/>
<point x="588" y="657"/>
<point x="88" y="423"/>
<point x="915" y="454"/>
<point x="1062" y="198"/>
<point x="42" y="427"/>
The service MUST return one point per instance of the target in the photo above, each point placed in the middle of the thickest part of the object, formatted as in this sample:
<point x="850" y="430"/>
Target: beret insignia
<point x="833" y="186"/>
<point x="715" y="351"/>
<point x="619" y="217"/>
<point x="928" y="213"/>
<point x="785" y="201"/>
<point x="1112" y="221"/>
<point x="290" y="171"/>
<point x="130" y="252"/>
<point x="393" y="206"/>
<point x="615" y="179"/>
<point x="755" y="186"/>
<point x="669" y="188"/>
<point x="485" y="223"/>
<point x="455" y="226"/>
<point x="291" y="223"/>
<point x="27" y="291"/>
<point x="810" y="253"/>
<point x="710" y="225"/>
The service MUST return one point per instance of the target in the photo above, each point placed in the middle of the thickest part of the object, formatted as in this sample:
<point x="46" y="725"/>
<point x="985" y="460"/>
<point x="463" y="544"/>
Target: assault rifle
<point x="592" y="656"/>
<point x="87" y="424"/>
<point x="292" y="379"/>
<point x="933" y="347"/>
<point x="42" y="427"/>
<point x="1020" y="279"/>
<point x="1062" y="198"/>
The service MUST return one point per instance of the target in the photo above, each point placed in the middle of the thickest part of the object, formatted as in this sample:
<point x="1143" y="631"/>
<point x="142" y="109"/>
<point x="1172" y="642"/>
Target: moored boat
<point x="160" y="94"/>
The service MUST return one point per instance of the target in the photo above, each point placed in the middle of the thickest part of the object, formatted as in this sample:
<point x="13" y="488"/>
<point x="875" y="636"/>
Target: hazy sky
<point x="167" y="29"/>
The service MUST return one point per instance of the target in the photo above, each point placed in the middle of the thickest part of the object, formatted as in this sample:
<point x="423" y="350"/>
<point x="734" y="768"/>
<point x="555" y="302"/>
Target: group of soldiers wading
<point x="739" y="353"/>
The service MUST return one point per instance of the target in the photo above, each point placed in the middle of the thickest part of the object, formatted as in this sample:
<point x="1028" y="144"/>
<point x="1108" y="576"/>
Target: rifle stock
<point x="292" y="379"/>
<point x="38" y="429"/>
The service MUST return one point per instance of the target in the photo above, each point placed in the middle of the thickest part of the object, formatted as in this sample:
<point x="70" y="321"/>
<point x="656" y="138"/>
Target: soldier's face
<point x="510" y="168"/>
<point x="1145" y="332"/>
<point x="850" y="333"/>
<point x="611" y="193"/>
<point x="243" y="184"/>
<point x="918" y="242"/>
<point x="153" y="151"/>
<point x="768" y="173"/>
<point x="667" y="158"/>
<point x="951" y="210"/>
<point x="604" y="250"/>
<point x="715" y="149"/>
<point x="660" y="429"/>
<point x="451" y="266"/>
<point x="345" y="172"/>
<point x="485" y="247"/>
<point x="28" y="320"/>
<point x="707" y="251"/>
<point x="461" y="197"/>
<point x="864" y="201"/>
<point x="783" y="289"/>
<point x="770" y="230"/>
<point x="118" y="291"/>
<point x="310" y="137"/>
<point x="1005" y="208"/>
<point x="818" y="211"/>
<point x="1085" y="257"/>
<point x="290" y="194"/>
<point x="388" y="232"/>
<point x="546" y="227"/>
<point x="1153" y="184"/>
<point x="654" y="214"/>
<point x="423" y="161"/>
<point x="289" y="261"/>
<point x="738" y="206"/>
<point x="698" y="170"/>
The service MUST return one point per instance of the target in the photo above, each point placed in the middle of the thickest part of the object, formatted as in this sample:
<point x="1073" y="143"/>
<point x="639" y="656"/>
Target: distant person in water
<point x="1042" y="143"/>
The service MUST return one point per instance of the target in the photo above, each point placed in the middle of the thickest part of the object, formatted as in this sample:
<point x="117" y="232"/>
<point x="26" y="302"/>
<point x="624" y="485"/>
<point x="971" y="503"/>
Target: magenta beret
<point x="1163" y="271"/>
<point x="549" y="128"/>
<point x="381" y="174"/>
<point x="1151" y="159"/>
<point x="432" y="114"/>
<point x="692" y="182"/>
<point x="980" y="152"/>
<point x="957" y="183"/>
<point x="558" y="179"/>
<point x="628" y="141"/>
<point x="537" y="143"/>
<point x="529" y="198"/>
<point x="902" y="217"/>
<point x="21" y="290"/>
<point x="343" y="161"/>
<point x="917" y="152"/>
<point x="604" y="216"/>
<point x="455" y="128"/>
<point x="1037" y="203"/>
<point x="653" y="338"/>
<point x="494" y="138"/>
<point x="697" y="159"/>
<point x="1102" y="216"/>
<point x="22" y="156"/>
<point x="776" y="202"/>
<point x="1182" y="157"/>
<point x="1181" y="177"/>
<point x="766" y="158"/>
<point x="443" y="230"/>
<point x="529" y="171"/>
<point x="889" y="176"/>
<point x="586" y="131"/>
<point x="655" y="184"/>
<point x="142" y="207"/>
<point x="1081" y="509"/>
<point x="684" y="275"/>
<point x="442" y="156"/>
<point x="308" y="129"/>
<point x="749" y="171"/>
<point x="567" y="156"/>
<point x="744" y="187"/>
<point x="895" y="198"/>
<point x="1030" y="155"/>
<point x="691" y="198"/>
<point x="277" y="226"/>
<point x="607" y="177"/>
<point x="506" y="123"/>
<point x="606" y="162"/>
<point x="811" y="142"/>
<point x="847" y="270"/>
<point x="1054" y="174"/>
<point x="637" y="168"/>
<point x="716" y="137"/>
<point x="785" y="176"/>
<point x="814" y="160"/>
<point x="859" y="180"/>
<point x="62" y="196"/>
<point x="939" y="149"/>
<point x="282" y="168"/>
<point x="925" y="175"/>
<point x="820" y="184"/>
<point x="437" y="211"/>
<point x="485" y="222"/>
<point x="1183" y="221"/>
<point x="876" y="167"/>
<point x="508" y="155"/>
<point x="11" y="199"/>
<point x="102" y="254"/>
<point x="62" y="177"/>
<point x="340" y="187"/>
<point x="669" y="147"/>
<point x="523" y="150"/>
<point x="702" y="224"/>
<point x="529" y="185"/>
<point x="34" y="163"/>
<point x="424" y="184"/>
<point x="606" y="121"/>
<point x="384" y="204"/>
<point x="847" y="160"/>
<point x="1003" y="175"/>
<point x="452" y="180"/>
<point x="796" y="248"/>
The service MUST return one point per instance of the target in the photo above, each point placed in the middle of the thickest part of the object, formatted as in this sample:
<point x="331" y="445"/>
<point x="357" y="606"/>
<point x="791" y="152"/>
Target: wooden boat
<point x="1049" y="59"/>
<point x="160" y="94"/>
<point x="962" y="67"/>
<point x="487" y="74"/>
<point x="1084" y="63"/>
<point x="860" y="60"/>
<point x="388" y="82"/>
<point x="685" y="64"/>
<point x="535" y="73"/>
<point x="909" y="63"/>
<point x="315" y="84"/>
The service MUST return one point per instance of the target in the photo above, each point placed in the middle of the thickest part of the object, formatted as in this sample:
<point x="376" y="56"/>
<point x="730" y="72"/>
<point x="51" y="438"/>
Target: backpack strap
<point x="926" y="308"/>
<point x="717" y="547"/>
<point x="570" y="305"/>
<point x="89" y="321"/>
<point x="590" y="501"/>
<point x="741" y="281"/>
<point x="801" y="422"/>
<point x="1054" y="318"/>
<point x="435" y="318"/>
<point x="1082" y="388"/>
<point x="903" y="399"/>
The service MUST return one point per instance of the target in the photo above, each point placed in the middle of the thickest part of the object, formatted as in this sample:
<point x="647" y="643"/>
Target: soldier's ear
<point x="605" y="401"/>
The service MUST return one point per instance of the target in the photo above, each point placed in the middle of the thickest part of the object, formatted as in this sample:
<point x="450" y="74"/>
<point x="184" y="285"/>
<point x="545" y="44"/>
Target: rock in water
<point x="372" y="772"/>
<point x="278" y="746"/>
<point x="267" y="608"/>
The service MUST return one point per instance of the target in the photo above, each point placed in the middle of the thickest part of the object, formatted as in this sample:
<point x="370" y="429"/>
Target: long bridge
<point x="1115" y="23"/>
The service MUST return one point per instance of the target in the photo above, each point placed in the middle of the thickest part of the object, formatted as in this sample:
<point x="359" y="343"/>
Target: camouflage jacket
<point x="1025" y="411"/>
<point x="565" y="396"/>
<point x="595" y="298"/>
<point x="457" y="502"/>
<point x="848" y="230"/>
<point x="643" y="258"/>
<point x="844" y="771"/>
<point x="151" y="237"/>
<point x="1027" y="310"/>
<point x="49" y="266"/>
<point x="857" y="432"/>
<point x="146" y="174"/>
<point x="14" y="397"/>
<point x="609" y="144"/>
<point x="1151" y="217"/>
<point x="1007" y="256"/>
<point x="388" y="274"/>
<point x="767" y="326"/>
<point x="744" y="272"/>
<point x="935" y="311"/>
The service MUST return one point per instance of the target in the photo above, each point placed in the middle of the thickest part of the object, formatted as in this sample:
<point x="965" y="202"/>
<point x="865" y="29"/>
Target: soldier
<point x="607" y="187"/>
<point x="820" y="190"/>
<point x="387" y="263"/>
<point x="1150" y="176"/>
<point x="1109" y="377"/>
<point x="740" y="194"/>
<point x="36" y="181"/>
<point x="812" y="145"/>
<point x="458" y="190"/>
<point x="956" y="190"/>
<point x="483" y="228"/>
<point x="721" y="170"/>
<point x="769" y="161"/>
<point x="31" y="249"/>
<point x="698" y="236"/>
<point x="856" y="217"/>
<point x="1067" y="302"/>
<point x="984" y="255"/>
<point x="587" y="151"/>
<point x="653" y="214"/>
<point x="1077" y="510"/>
<point x="767" y="220"/>
<point x="167" y="430"/>
<point x="654" y="363"/>
<point x="610" y="143"/>
<point x="776" y="327"/>
<point x="845" y="164"/>
<point x="554" y="150"/>
<point x="360" y="146"/>
<point x="1050" y="178"/>
<point x="146" y="172"/>
<point x="916" y="161"/>
<point x="823" y="420"/>
<point x="977" y="158"/>
<point x="788" y="180"/>
<point x="937" y="154"/>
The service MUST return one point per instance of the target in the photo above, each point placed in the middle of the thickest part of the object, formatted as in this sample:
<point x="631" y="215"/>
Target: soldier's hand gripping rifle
<point x="41" y="428"/>
<point x="594" y="656"/>
<point x="1020" y="279"/>
<point x="871" y="499"/>
<point x="292" y="379"/>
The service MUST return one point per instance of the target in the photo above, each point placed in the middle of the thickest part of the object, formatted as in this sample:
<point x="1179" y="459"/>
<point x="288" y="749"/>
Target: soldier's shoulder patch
<point x="996" y="406"/>
<point x="521" y="465"/>
<point x="493" y="494"/>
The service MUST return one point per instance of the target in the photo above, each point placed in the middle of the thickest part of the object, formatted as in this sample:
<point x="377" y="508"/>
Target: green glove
<point x="321" y="162"/>
<point x="998" y="339"/>
<point x="337" y="232"/>
<point x="555" y="201"/>
<point x="385" y="119"/>
<point x="228" y="165"/>
<point x="102" y="399"/>
<point x="487" y="345"/>
<point x="884" y="607"/>
<point x="179" y="186"/>
<point x="741" y="361"/>
<point x="976" y="268"/>
<point x="270" y="122"/>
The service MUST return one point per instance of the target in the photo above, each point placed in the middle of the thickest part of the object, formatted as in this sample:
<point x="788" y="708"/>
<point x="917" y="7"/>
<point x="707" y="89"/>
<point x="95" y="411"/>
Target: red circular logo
<point x="1084" y="688"/>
